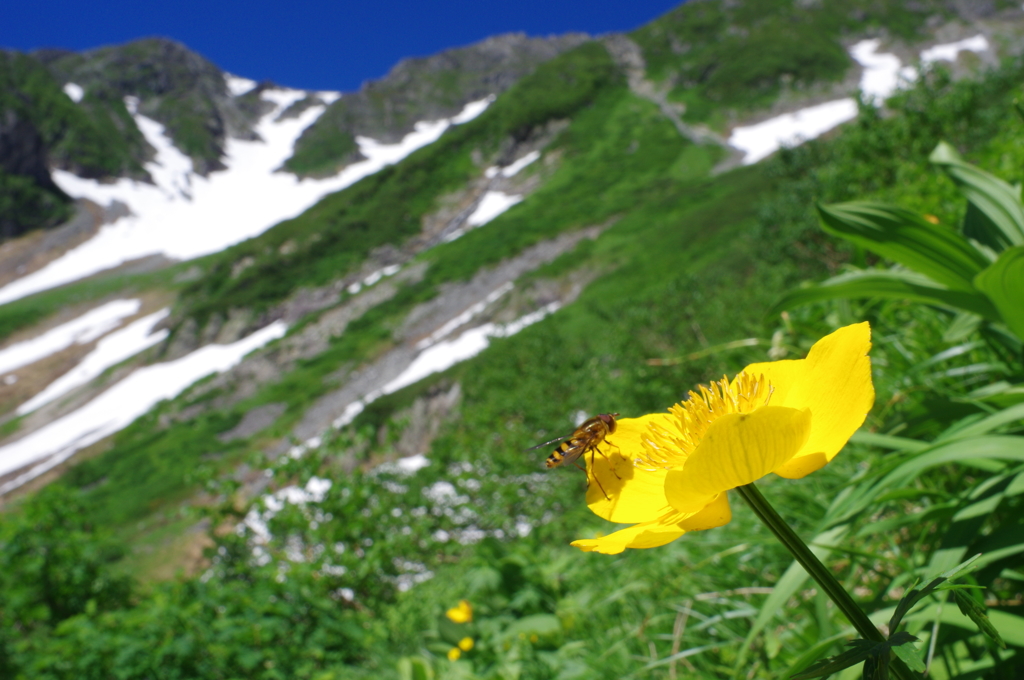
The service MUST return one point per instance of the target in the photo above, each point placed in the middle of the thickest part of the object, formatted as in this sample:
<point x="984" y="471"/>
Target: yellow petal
<point x="717" y="514"/>
<point x="834" y="382"/>
<point x="644" y="535"/>
<point x="635" y="494"/>
<point x="737" y="449"/>
<point x="463" y="613"/>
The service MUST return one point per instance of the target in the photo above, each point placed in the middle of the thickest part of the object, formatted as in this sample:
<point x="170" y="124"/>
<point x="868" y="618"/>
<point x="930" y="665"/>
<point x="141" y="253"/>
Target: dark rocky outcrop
<point x="423" y="88"/>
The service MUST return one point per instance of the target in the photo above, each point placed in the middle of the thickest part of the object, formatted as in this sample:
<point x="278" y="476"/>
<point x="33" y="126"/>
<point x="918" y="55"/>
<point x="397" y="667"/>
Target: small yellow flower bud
<point x="463" y="613"/>
<point x="454" y="653"/>
<point x="466" y="644"/>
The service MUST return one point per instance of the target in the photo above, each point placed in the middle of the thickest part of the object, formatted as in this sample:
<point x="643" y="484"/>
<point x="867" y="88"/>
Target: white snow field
<point x="109" y="351"/>
<point x="883" y="74"/>
<point x="84" y="329"/>
<point x="121" y="404"/>
<point x="185" y="215"/>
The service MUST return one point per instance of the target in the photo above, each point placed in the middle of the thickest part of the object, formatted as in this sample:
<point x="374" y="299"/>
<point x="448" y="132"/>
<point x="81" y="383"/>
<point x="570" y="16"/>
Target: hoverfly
<point x="585" y="438"/>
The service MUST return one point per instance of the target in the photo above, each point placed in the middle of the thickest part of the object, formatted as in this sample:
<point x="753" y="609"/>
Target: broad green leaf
<point x="1003" y="283"/>
<point x="998" y="218"/>
<point x="884" y="441"/>
<point x="963" y="325"/>
<point x="963" y="451"/>
<point x="905" y="237"/>
<point x="1007" y="416"/>
<point x="889" y="283"/>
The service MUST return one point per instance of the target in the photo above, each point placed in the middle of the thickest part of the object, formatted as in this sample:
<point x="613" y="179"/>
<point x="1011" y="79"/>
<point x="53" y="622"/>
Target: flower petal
<point x="635" y="494"/>
<point x="834" y="382"/>
<point x="644" y="535"/>
<point x="715" y="515"/>
<point x="737" y="449"/>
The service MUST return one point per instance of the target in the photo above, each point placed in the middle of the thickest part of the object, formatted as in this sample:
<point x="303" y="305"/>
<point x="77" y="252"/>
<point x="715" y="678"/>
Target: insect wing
<point x="548" y="443"/>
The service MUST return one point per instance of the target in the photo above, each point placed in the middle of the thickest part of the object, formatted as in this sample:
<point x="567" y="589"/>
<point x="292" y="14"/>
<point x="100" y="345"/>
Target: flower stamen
<point x="667" y="447"/>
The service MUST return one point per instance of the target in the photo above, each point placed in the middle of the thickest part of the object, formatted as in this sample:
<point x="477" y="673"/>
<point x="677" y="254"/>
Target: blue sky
<point x="312" y="44"/>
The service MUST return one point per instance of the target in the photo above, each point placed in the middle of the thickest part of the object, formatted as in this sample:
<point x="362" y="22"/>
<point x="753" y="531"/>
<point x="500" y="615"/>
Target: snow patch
<point x="84" y="329"/>
<point x="110" y="351"/>
<point x="185" y="215"/>
<point x="763" y="139"/>
<point x="237" y="85"/>
<point x="491" y="205"/>
<point x="125" y="401"/>
<point x="74" y="91"/>
<point x="950" y="51"/>
<point x="514" y="168"/>
<point x="472" y="110"/>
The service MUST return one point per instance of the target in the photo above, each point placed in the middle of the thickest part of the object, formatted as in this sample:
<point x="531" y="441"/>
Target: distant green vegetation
<point x="95" y="139"/>
<point x="324" y="149"/>
<point x="742" y="55"/>
<point x="25" y="204"/>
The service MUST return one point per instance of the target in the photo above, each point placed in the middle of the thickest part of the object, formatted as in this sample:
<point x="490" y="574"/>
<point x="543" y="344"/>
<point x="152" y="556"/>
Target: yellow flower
<point x="463" y="613"/>
<point x="667" y="473"/>
<point x="454" y="653"/>
<point x="466" y="644"/>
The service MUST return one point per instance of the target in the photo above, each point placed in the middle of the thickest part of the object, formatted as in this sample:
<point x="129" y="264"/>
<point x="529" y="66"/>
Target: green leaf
<point x="994" y="447"/>
<point x="907" y="652"/>
<point x="415" y="668"/>
<point x="975" y="611"/>
<point x="1010" y="626"/>
<point x="885" y="441"/>
<point x="859" y="651"/>
<point x="905" y="237"/>
<point x="962" y="327"/>
<point x="1007" y="416"/>
<point x="998" y="221"/>
<point x="889" y="283"/>
<point x="1003" y="283"/>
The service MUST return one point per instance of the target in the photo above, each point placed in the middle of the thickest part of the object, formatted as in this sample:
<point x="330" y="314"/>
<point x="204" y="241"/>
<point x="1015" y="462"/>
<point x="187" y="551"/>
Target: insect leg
<point x="599" y="484"/>
<point x="607" y="458"/>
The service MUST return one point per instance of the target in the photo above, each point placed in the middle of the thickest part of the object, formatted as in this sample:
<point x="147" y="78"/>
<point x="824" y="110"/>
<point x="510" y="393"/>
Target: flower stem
<point x="818" y="571"/>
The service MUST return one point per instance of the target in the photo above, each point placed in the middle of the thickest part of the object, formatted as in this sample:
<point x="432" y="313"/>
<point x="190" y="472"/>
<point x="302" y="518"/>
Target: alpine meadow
<point x="690" y="352"/>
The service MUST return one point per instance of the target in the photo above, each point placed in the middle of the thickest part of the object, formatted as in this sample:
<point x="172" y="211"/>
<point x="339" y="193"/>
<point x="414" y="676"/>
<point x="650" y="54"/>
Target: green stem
<point x="813" y="566"/>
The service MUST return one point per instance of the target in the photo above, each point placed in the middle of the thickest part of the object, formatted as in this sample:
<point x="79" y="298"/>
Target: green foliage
<point x="951" y="271"/>
<point x="53" y="567"/>
<point x="25" y="204"/>
<point x="742" y="55"/>
<point x="323" y="150"/>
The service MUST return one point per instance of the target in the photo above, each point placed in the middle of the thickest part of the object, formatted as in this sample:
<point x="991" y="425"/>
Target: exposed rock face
<point x="175" y="86"/>
<point x="22" y="151"/>
<point x="426" y="88"/>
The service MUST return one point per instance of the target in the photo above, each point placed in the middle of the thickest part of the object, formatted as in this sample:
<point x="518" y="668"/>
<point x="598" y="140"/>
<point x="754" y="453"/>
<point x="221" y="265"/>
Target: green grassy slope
<point x="718" y="56"/>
